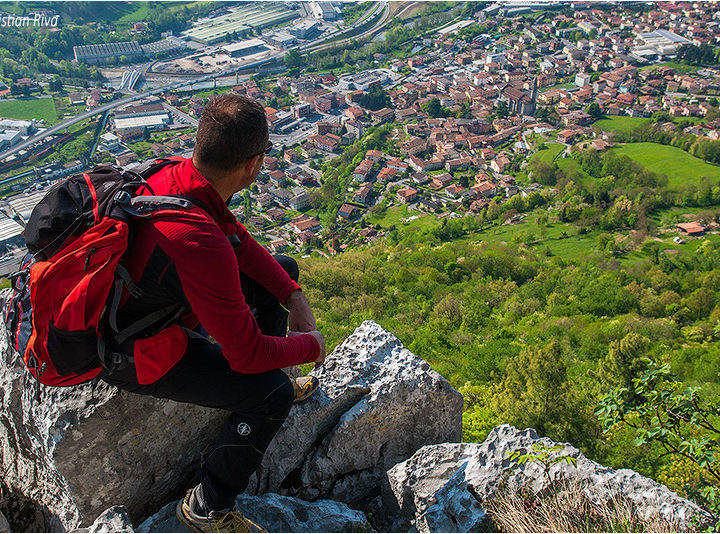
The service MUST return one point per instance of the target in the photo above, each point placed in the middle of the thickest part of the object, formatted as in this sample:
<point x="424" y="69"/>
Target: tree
<point x="625" y="360"/>
<point x="376" y="98"/>
<point x="663" y="411"/>
<point x="594" y="110"/>
<point x="433" y="108"/>
<point x="536" y="393"/>
<point x="294" y="59"/>
<point x="501" y="110"/>
<point x="546" y="173"/>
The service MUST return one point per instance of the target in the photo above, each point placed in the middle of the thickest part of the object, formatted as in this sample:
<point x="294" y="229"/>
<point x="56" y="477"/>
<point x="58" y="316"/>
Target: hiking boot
<point x="304" y="387"/>
<point x="190" y="511"/>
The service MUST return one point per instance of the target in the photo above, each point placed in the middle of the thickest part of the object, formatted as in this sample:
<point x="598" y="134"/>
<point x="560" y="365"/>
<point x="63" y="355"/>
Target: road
<point x="180" y="113"/>
<point x="133" y="98"/>
<point x="316" y="47"/>
<point x="114" y="104"/>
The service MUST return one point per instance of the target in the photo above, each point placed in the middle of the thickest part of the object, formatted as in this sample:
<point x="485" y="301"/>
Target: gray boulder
<point x="378" y="403"/>
<point x="114" y="519"/>
<point x="4" y="525"/>
<point x="456" y="509"/>
<point x="423" y="492"/>
<point x="68" y="452"/>
<point x="275" y="513"/>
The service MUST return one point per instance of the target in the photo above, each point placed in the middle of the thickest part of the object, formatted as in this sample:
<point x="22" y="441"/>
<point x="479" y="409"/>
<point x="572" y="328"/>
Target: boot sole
<point x="180" y="514"/>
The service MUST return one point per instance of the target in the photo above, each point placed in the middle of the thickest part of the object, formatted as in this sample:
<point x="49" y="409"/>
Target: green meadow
<point x="29" y="108"/>
<point x="679" y="166"/>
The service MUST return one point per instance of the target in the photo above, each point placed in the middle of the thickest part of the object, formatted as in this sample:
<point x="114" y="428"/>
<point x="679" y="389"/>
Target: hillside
<point x="531" y="338"/>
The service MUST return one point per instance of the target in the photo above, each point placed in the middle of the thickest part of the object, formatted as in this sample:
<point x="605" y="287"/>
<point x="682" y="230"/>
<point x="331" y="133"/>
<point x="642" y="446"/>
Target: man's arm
<point x="210" y="280"/>
<point x="301" y="318"/>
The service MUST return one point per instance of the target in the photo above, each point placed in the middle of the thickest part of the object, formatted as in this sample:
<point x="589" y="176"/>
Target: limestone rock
<point x="419" y="488"/>
<point x="4" y="525"/>
<point x="277" y="514"/>
<point x="72" y="451"/>
<point x="163" y="521"/>
<point x="378" y="403"/>
<point x="456" y="509"/>
<point x="113" y="519"/>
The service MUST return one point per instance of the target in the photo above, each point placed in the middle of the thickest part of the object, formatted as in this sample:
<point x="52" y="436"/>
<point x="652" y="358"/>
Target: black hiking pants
<point x="259" y="403"/>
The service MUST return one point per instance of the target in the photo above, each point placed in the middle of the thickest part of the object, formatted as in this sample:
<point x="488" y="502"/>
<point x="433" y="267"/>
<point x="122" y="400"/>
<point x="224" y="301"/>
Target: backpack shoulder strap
<point x="147" y="169"/>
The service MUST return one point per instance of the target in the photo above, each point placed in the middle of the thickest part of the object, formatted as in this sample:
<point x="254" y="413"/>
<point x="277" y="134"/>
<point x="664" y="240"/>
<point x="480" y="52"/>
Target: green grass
<point x="548" y="154"/>
<point x="621" y="123"/>
<point x="559" y="238"/>
<point x="29" y="108"/>
<point x="568" y="165"/>
<point x="567" y="85"/>
<point x="395" y="215"/>
<point x="679" y="67"/>
<point x="679" y="166"/>
<point x="140" y="14"/>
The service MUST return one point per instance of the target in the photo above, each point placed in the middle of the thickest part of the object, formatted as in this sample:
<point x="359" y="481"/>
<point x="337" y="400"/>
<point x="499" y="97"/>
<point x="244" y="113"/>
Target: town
<point x="452" y="123"/>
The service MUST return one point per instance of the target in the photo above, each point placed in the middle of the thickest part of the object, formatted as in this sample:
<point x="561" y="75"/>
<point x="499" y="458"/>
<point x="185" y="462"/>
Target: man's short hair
<point x="231" y="130"/>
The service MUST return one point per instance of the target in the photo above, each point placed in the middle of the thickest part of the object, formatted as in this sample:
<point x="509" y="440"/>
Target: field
<point x="396" y="215"/>
<point x="679" y="166"/>
<point x="679" y="67"/>
<point x="548" y="155"/>
<point x="29" y="108"/>
<point x="138" y="15"/>
<point x="621" y="123"/>
<point x="568" y="165"/>
<point x="625" y="124"/>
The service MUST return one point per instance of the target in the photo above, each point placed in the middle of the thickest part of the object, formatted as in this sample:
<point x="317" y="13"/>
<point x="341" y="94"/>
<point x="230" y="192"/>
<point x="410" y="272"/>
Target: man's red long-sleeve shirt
<point x="208" y="268"/>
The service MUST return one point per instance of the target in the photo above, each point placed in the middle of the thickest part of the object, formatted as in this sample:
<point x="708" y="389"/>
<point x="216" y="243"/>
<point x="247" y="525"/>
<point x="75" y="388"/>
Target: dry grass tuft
<point x="565" y="507"/>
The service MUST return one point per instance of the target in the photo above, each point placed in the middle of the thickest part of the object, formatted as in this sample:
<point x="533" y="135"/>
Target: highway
<point x="316" y="47"/>
<point x="59" y="127"/>
<point x="133" y="98"/>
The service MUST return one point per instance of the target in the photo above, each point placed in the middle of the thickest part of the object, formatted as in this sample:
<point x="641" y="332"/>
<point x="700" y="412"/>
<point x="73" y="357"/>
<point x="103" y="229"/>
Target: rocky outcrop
<point x="68" y="453"/>
<point x="381" y="435"/>
<point x="275" y="513"/>
<point x="378" y="404"/>
<point x="4" y="525"/>
<point x="115" y="519"/>
<point x="424" y="492"/>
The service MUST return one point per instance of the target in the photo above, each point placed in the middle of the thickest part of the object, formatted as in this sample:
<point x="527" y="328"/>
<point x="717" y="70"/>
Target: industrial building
<point x="245" y="48"/>
<point x="152" y="116"/>
<point x="9" y="138"/>
<point x="10" y="232"/>
<point x="658" y="44"/>
<point x="362" y="80"/>
<point x="281" y="40"/>
<point x="324" y="10"/>
<point x="305" y="29"/>
<point x="24" y="127"/>
<point x="101" y="53"/>
<point x="237" y="20"/>
<point x="24" y="203"/>
<point x="170" y="45"/>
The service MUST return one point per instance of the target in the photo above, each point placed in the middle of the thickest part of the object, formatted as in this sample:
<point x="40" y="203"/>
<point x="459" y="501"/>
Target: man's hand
<point x="301" y="318"/>
<point x="320" y="339"/>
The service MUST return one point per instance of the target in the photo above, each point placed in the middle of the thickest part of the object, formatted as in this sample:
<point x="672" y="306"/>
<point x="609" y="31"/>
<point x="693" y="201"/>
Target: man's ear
<point x="250" y="163"/>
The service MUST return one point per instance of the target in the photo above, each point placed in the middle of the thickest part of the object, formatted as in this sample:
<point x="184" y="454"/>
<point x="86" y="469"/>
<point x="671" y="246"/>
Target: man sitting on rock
<point x="231" y="289"/>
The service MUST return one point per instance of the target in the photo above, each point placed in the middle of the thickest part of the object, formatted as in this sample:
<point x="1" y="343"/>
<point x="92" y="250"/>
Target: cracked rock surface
<point x="378" y="403"/>
<point x="425" y="490"/>
<point x="114" y="519"/>
<point x="276" y="513"/>
<point x="69" y="453"/>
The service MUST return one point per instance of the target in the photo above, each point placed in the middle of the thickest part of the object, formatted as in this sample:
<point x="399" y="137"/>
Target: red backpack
<point x="68" y="289"/>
